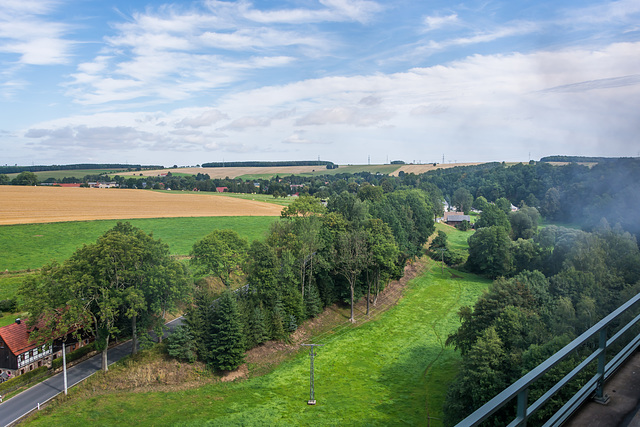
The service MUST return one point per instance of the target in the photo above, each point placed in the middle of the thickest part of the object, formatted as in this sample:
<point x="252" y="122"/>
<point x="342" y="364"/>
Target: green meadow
<point x="393" y="370"/>
<point x="29" y="246"/>
<point x="457" y="239"/>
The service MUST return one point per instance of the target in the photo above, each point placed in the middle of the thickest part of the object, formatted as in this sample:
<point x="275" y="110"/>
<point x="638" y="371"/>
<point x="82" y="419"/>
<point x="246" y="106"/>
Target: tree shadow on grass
<point x="406" y="382"/>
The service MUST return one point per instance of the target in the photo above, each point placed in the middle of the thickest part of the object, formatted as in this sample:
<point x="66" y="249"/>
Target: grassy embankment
<point x="393" y="370"/>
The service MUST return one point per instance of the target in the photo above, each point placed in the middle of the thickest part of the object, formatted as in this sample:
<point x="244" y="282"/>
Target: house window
<point x="30" y="353"/>
<point x="39" y="363"/>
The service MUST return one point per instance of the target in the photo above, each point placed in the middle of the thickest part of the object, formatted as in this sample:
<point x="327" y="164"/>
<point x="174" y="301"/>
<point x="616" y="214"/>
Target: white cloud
<point x="298" y="138"/>
<point x="334" y="11"/>
<point x="207" y="118"/>
<point x="498" y="105"/>
<point x="246" y="122"/>
<point x="26" y="32"/>
<point x="437" y="22"/>
<point x="344" y="115"/>
<point x="172" y="54"/>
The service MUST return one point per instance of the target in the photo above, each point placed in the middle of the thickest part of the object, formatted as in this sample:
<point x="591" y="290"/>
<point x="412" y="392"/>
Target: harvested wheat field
<point x="231" y="172"/>
<point x="24" y="205"/>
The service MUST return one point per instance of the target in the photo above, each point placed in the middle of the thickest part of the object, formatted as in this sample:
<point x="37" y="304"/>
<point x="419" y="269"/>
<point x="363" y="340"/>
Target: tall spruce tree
<point x="226" y="351"/>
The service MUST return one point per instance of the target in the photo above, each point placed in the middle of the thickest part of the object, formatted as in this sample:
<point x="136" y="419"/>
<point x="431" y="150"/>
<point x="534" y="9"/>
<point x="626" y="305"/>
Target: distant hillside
<point x="84" y="166"/>
<point x="579" y="159"/>
<point x="257" y="164"/>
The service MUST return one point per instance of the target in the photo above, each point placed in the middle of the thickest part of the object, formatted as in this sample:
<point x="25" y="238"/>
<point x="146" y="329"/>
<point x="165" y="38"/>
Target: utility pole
<point x="442" y="257"/>
<point x="312" y="400"/>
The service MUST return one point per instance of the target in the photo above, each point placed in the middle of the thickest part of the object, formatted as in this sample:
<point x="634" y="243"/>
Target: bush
<point x="22" y="379"/>
<point x="464" y="225"/>
<point x="74" y="355"/>
<point x="181" y="344"/>
<point x="455" y="257"/>
<point x="9" y="305"/>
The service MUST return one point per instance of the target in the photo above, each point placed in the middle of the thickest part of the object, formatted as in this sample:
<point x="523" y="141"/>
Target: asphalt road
<point x="27" y="401"/>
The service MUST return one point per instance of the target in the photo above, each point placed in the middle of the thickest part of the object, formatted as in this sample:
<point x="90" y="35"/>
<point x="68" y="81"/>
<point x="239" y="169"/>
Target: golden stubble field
<point x="24" y="205"/>
<point x="231" y="172"/>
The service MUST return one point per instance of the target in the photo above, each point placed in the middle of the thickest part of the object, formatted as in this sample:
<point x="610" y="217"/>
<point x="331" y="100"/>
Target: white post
<point x="64" y="366"/>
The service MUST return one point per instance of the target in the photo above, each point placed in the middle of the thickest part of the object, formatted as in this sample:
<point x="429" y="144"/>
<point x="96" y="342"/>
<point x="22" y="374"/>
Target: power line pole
<point x="312" y="400"/>
<point x="442" y="252"/>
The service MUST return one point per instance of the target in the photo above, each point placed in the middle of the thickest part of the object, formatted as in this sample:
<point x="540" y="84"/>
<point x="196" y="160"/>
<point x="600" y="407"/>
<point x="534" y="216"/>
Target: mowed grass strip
<point x="391" y="371"/>
<point x="30" y="246"/>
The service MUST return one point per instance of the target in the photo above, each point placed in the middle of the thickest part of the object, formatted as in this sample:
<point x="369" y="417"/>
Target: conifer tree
<point x="256" y="329"/>
<point x="198" y="320"/>
<point x="276" y="330"/>
<point x="226" y="351"/>
<point x="313" y="304"/>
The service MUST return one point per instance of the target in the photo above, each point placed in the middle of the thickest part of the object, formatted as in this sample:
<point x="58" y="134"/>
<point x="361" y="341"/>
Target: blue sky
<point x="192" y="82"/>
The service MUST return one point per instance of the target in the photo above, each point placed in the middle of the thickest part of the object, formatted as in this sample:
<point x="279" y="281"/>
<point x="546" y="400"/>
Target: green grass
<point x="9" y="284"/>
<point x="30" y="246"/>
<point x="283" y="201"/>
<point x="390" y="371"/>
<point x="457" y="239"/>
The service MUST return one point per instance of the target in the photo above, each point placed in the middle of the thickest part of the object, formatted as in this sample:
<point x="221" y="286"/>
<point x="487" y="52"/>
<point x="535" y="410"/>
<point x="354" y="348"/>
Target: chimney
<point x="18" y="320"/>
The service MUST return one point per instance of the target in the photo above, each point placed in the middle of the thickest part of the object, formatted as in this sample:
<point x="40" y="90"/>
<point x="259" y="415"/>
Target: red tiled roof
<point x="16" y="337"/>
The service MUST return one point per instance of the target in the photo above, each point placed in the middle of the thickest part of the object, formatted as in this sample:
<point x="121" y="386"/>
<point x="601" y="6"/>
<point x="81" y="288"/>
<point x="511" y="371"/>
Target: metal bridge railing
<point x="520" y="388"/>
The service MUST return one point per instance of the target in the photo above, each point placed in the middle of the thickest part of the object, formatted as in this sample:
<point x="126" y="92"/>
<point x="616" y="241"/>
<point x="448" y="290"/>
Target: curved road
<point x="27" y="401"/>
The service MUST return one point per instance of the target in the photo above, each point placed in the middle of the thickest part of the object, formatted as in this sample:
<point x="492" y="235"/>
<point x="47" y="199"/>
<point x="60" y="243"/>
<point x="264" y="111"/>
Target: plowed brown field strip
<point x="24" y="205"/>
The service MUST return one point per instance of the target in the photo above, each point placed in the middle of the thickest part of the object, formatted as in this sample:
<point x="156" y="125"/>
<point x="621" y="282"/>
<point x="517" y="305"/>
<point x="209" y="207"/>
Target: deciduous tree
<point x="221" y="253"/>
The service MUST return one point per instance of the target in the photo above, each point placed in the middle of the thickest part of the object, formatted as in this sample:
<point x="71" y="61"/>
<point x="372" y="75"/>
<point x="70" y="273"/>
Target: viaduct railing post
<point x="600" y="396"/>
<point x="523" y="396"/>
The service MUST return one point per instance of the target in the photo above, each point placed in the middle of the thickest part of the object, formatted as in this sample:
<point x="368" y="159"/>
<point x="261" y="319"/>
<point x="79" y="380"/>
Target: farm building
<point x="19" y="354"/>
<point x="455" y="218"/>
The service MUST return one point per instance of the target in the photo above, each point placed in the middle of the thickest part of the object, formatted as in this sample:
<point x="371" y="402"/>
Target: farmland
<point x="248" y="173"/>
<point x="24" y="205"/>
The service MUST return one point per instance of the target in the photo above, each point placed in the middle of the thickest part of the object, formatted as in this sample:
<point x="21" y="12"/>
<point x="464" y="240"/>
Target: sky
<point x="348" y="81"/>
